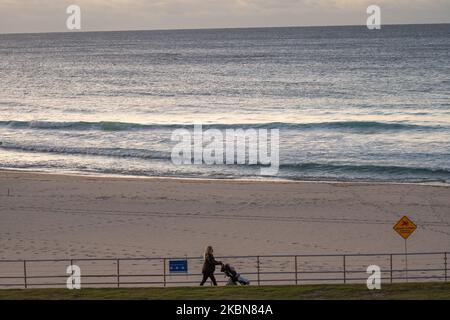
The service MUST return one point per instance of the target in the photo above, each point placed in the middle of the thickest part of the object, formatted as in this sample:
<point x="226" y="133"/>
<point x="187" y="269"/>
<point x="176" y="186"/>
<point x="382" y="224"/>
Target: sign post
<point x="405" y="227"/>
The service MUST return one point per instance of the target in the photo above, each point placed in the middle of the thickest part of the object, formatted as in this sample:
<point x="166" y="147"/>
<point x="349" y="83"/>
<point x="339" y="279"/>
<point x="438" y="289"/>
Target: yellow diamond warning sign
<point x="405" y="227"/>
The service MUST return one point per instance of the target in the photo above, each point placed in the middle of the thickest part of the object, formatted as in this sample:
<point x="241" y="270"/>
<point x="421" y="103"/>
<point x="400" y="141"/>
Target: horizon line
<point x="219" y="28"/>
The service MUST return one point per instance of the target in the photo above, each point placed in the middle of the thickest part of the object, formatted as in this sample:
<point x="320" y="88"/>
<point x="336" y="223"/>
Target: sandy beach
<point x="59" y="216"/>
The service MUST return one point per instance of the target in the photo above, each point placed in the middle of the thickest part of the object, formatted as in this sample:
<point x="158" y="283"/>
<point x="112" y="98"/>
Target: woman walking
<point x="209" y="266"/>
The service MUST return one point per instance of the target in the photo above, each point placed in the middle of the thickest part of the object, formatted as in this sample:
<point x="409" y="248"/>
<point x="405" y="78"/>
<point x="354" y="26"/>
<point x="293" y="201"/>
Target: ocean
<point x="351" y="104"/>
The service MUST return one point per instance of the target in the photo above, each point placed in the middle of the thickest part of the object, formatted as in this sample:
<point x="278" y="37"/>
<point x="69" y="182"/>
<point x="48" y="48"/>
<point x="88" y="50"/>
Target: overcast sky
<point x="50" y="15"/>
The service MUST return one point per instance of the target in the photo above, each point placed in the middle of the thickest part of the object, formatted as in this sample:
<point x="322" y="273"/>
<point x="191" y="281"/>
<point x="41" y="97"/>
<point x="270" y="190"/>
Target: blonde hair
<point x="208" y="250"/>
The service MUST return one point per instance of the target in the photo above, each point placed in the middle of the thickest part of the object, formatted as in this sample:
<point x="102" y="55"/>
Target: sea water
<point x="350" y="103"/>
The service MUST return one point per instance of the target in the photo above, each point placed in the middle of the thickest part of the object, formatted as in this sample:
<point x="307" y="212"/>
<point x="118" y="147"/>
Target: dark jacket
<point x="209" y="266"/>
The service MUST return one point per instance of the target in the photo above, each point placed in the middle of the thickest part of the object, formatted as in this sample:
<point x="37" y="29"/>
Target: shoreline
<point x="436" y="183"/>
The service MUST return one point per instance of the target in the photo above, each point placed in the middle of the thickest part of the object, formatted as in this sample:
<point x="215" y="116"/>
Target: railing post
<point x="71" y="270"/>
<point x="345" y="277"/>
<point x="118" y="273"/>
<point x="392" y="278"/>
<point x="257" y="268"/>
<point x="296" y="272"/>
<point x="25" y="274"/>
<point x="164" y="268"/>
<point x="445" y="266"/>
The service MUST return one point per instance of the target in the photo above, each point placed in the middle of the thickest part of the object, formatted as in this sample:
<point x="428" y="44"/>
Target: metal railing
<point x="260" y="270"/>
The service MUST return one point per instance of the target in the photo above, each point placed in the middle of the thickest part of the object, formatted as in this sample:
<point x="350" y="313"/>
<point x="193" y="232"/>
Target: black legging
<point x="208" y="275"/>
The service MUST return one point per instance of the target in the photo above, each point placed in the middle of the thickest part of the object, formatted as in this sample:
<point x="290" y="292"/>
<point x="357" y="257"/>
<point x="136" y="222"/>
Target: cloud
<point x="49" y="15"/>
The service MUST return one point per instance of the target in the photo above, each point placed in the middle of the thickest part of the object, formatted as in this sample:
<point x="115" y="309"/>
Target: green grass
<point x="435" y="290"/>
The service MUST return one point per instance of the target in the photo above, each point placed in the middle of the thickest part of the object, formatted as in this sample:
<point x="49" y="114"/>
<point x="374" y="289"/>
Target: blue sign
<point x="178" y="266"/>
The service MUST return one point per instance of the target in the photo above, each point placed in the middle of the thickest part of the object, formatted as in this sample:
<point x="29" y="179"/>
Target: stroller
<point x="234" y="277"/>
